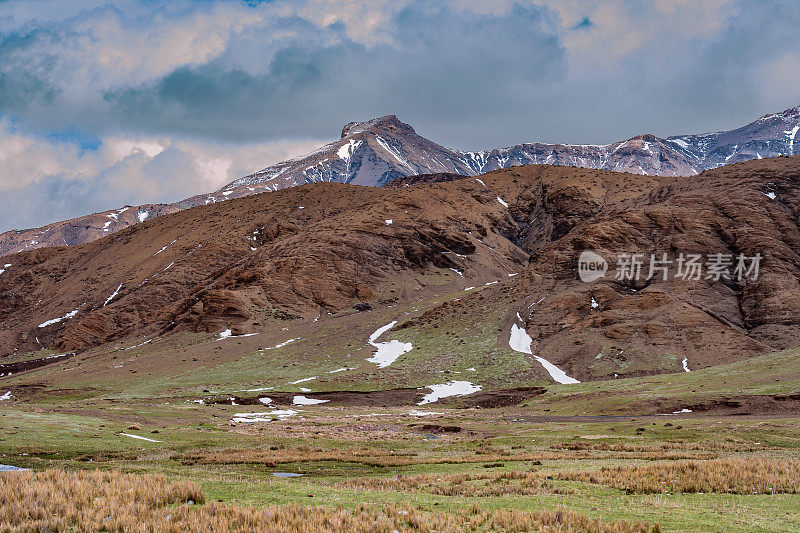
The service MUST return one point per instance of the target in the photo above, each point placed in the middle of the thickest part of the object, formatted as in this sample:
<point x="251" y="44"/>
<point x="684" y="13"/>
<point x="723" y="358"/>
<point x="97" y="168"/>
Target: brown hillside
<point x="326" y="247"/>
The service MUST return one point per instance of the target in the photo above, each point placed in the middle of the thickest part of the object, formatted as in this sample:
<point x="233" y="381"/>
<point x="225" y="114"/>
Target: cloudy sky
<point x="110" y="103"/>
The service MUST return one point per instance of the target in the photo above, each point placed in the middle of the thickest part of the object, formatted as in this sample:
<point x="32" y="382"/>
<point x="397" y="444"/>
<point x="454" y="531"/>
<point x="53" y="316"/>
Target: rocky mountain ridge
<point x="384" y="149"/>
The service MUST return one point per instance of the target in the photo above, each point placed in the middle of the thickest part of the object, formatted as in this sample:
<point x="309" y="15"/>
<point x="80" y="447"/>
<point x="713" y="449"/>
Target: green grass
<point x="439" y="355"/>
<point x="776" y="373"/>
<point x="74" y="414"/>
<point x="28" y="356"/>
<point x="60" y="438"/>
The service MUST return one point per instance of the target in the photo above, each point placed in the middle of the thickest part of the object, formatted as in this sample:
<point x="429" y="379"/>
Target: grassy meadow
<point x="146" y="437"/>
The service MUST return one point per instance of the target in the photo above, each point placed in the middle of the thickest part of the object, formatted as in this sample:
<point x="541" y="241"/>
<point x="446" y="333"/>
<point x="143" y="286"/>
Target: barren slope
<point x="291" y="257"/>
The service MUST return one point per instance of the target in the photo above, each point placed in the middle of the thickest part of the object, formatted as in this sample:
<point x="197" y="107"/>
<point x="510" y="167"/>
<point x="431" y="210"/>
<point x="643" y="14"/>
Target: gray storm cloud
<point x="211" y="75"/>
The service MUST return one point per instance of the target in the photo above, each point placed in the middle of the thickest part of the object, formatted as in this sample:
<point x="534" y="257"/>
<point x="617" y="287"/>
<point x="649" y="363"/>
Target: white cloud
<point x="365" y="22"/>
<point x="28" y="158"/>
<point x="43" y="180"/>
<point x="104" y="48"/>
<point x="149" y="79"/>
<point x="621" y="27"/>
<point x="117" y="149"/>
<point x="25" y="158"/>
<point x="258" y="73"/>
<point x="784" y="75"/>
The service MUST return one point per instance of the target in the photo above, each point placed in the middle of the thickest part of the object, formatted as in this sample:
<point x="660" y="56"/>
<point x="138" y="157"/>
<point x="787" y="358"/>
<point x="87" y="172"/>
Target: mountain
<point x="381" y="150"/>
<point x="465" y="270"/>
<point x="82" y="229"/>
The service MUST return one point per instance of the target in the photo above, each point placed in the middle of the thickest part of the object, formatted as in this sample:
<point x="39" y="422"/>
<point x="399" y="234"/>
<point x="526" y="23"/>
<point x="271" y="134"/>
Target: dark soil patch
<point x="734" y="405"/>
<point x="502" y="398"/>
<point x="435" y="428"/>
<point x="390" y="398"/>
<point x="16" y="368"/>
<point x="385" y="398"/>
<point x="419" y="179"/>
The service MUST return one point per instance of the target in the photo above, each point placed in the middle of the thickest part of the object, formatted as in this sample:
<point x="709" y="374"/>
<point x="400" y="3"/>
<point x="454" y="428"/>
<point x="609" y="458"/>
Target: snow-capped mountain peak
<point x="368" y="153"/>
<point x="380" y="150"/>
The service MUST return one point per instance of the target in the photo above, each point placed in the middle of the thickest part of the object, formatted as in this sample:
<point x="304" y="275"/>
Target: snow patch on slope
<point x="452" y="388"/>
<point x="138" y="437"/>
<point x="387" y="353"/>
<point x="250" y="418"/>
<point x="113" y="295"/>
<point x="312" y="378"/>
<point x="281" y="345"/>
<point x="521" y="342"/>
<point x="346" y="151"/>
<point x="394" y="153"/>
<point x="164" y="248"/>
<point x="302" y="400"/>
<point x="792" y="133"/>
<point x="59" y="319"/>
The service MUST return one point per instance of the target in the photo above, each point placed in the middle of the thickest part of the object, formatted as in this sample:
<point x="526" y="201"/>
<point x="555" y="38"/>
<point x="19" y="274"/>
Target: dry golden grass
<point x="57" y="500"/>
<point x="732" y="475"/>
<point x="660" y="448"/>
<point x="467" y="485"/>
<point x="397" y="518"/>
